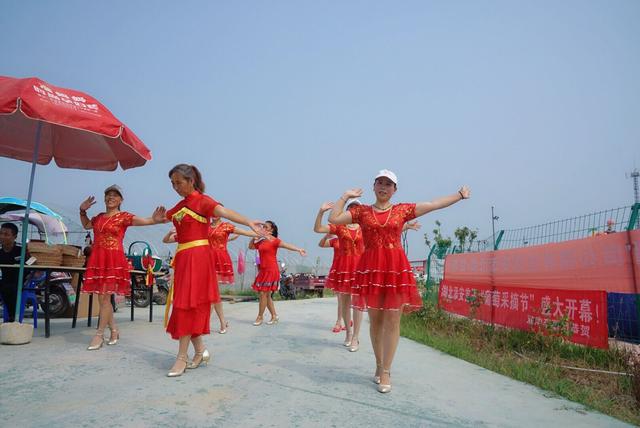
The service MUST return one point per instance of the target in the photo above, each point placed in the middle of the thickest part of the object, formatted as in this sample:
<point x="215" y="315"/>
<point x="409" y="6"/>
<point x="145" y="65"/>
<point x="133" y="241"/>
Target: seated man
<point x="9" y="255"/>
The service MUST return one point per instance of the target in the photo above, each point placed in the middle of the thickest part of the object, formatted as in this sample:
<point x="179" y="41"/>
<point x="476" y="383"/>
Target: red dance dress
<point x="384" y="279"/>
<point x="218" y="237"/>
<point x="343" y="270"/>
<point x="335" y="244"/>
<point x="268" y="278"/>
<point x="107" y="267"/>
<point x="195" y="286"/>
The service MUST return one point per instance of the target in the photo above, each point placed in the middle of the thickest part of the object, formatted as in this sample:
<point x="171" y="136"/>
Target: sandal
<point x="112" y="340"/>
<point x="183" y="358"/>
<point x="384" y="388"/>
<point x="204" y="358"/>
<point x="223" y="329"/>
<point x="99" y="334"/>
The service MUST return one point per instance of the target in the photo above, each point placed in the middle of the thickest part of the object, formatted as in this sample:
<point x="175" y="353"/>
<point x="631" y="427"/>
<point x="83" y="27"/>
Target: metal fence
<point x="612" y="220"/>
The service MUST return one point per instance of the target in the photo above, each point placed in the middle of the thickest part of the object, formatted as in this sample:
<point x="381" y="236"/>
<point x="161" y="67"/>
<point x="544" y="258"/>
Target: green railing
<point x="618" y="219"/>
<point x="607" y="221"/>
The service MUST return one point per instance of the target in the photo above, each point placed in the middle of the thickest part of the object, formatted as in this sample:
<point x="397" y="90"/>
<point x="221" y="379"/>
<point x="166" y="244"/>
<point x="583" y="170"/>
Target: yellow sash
<point x="168" y="307"/>
<point x="183" y="246"/>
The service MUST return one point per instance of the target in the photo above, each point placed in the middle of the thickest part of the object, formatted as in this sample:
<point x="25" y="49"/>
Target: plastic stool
<point x="27" y="295"/>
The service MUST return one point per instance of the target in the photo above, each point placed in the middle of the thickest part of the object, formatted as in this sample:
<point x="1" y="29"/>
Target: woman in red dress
<point x="107" y="267"/>
<point x="268" y="278"/>
<point x="195" y="285"/>
<point x="220" y="234"/>
<point x="343" y="270"/>
<point x="330" y="241"/>
<point x="384" y="283"/>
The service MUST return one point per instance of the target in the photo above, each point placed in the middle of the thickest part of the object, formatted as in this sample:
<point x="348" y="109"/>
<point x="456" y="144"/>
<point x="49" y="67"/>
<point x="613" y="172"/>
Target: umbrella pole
<point x="25" y="221"/>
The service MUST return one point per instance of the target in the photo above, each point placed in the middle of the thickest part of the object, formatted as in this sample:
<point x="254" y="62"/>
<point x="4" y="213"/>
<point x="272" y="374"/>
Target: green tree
<point x="440" y="242"/>
<point x="465" y="235"/>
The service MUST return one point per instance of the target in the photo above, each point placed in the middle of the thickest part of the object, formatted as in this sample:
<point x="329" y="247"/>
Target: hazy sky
<point x="285" y="104"/>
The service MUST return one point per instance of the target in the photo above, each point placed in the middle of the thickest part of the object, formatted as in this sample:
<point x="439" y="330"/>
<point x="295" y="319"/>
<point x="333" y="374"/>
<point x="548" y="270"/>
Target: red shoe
<point x="337" y="328"/>
<point x="350" y="325"/>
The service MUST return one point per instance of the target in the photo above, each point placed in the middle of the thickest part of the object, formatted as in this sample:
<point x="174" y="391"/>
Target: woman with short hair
<point x="108" y="269"/>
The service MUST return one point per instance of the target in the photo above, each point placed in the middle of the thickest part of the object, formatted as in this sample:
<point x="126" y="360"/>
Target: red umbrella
<point x="40" y="122"/>
<point x="77" y="131"/>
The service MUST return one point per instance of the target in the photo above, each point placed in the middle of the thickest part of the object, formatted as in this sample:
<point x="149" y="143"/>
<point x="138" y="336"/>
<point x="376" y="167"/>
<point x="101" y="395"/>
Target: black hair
<point x="274" y="228"/>
<point x="12" y="227"/>
<point x="189" y="172"/>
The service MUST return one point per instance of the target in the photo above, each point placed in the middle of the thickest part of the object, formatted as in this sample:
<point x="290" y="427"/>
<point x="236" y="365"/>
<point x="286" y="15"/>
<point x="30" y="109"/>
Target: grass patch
<point x="533" y="358"/>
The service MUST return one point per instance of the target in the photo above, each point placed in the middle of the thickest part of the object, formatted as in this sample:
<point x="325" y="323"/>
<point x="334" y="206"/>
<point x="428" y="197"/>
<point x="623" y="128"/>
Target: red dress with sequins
<point x="218" y="238"/>
<point x="195" y="286"/>
<point x="268" y="278"/>
<point x="343" y="269"/>
<point x="384" y="279"/>
<point x="107" y="267"/>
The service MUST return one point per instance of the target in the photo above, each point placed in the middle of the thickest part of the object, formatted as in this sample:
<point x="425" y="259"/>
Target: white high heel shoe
<point x="384" y="388"/>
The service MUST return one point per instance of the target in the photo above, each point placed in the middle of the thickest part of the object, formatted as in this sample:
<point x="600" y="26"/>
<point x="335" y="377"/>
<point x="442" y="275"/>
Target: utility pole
<point x="636" y="192"/>
<point x="494" y="218"/>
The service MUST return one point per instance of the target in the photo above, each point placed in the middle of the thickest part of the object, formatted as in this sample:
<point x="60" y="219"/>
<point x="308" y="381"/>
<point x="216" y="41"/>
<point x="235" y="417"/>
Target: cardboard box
<point x="83" y="307"/>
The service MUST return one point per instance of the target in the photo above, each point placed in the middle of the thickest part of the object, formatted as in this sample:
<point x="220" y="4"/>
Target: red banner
<point x="578" y="315"/>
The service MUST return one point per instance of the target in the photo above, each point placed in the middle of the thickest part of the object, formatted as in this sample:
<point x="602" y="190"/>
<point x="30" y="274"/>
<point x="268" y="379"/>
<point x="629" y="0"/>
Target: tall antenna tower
<point x="636" y="191"/>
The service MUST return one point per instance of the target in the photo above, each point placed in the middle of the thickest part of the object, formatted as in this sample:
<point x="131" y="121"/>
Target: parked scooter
<point x="163" y="283"/>
<point x="286" y="287"/>
<point x="160" y="291"/>
<point x="61" y="294"/>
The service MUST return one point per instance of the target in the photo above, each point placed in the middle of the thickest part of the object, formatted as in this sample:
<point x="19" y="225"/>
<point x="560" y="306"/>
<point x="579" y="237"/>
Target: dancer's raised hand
<point x="326" y="206"/>
<point x="160" y="215"/>
<point x="87" y="203"/>
<point x="351" y="193"/>
<point x="465" y="192"/>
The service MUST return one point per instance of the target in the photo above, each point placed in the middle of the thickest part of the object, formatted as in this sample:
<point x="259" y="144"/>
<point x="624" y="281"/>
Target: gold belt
<point x="191" y="244"/>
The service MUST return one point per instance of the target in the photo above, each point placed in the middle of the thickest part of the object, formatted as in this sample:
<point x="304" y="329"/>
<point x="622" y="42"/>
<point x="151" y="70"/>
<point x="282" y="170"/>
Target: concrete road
<point x="293" y="374"/>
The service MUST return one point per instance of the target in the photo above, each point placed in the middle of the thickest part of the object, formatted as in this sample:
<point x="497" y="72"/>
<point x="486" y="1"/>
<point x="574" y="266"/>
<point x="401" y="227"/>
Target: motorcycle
<point x="163" y="283"/>
<point x="61" y="293"/>
<point x="160" y="292"/>
<point x="286" y="287"/>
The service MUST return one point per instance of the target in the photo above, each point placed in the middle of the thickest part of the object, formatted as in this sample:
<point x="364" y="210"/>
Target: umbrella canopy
<point x="46" y="225"/>
<point x="40" y="122"/>
<point x="16" y="204"/>
<point x="44" y="219"/>
<point x="77" y="131"/>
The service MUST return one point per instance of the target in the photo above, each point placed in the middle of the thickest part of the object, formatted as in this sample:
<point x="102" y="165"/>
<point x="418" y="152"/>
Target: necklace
<point x="107" y="220"/>
<point x="375" y="217"/>
<point x="383" y="209"/>
<point x="353" y="236"/>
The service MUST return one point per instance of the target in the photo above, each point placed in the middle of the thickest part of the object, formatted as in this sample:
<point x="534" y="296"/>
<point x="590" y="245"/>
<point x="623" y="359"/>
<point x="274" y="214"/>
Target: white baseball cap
<point x="115" y="188"/>
<point x="389" y="174"/>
